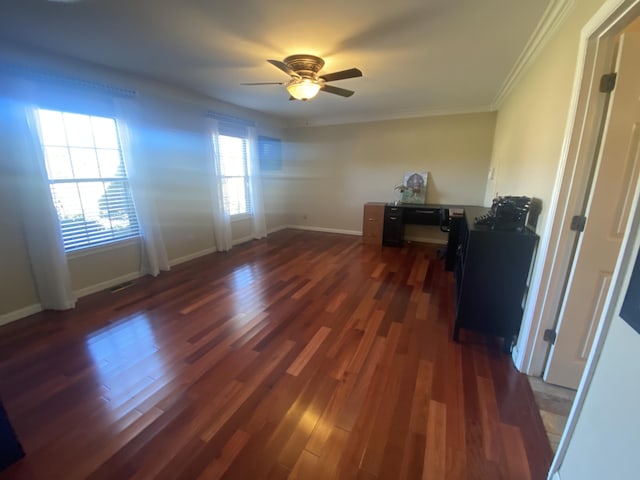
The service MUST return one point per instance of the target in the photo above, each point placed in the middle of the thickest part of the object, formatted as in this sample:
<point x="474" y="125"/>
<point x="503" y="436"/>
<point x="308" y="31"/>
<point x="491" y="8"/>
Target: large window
<point x="234" y="172"/>
<point x="87" y="178"/>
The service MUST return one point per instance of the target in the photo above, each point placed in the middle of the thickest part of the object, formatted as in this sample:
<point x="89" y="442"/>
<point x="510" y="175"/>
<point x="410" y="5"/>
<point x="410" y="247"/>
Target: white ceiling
<point x="418" y="57"/>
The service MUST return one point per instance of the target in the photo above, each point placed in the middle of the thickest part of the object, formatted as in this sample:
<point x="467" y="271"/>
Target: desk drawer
<point x="422" y="216"/>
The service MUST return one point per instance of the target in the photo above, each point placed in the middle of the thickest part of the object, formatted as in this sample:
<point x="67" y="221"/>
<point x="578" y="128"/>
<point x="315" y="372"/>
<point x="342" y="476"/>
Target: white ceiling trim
<point x="552" y="18"/>
<point x="365" y="118"/>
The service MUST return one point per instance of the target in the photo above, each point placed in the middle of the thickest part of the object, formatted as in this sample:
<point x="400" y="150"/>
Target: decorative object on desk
<point x="398" y="192"/>
<point x="415" y="187"/>
<point x="506" y="213"/>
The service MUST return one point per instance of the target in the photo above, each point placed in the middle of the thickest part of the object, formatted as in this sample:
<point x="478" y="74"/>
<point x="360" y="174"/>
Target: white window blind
<point x="234" y="168"/>
<point x="87" y="178"/>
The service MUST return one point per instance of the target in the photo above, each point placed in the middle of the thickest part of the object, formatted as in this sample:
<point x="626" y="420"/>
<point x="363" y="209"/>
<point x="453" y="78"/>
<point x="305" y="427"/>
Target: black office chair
<point x="445" y="227"/>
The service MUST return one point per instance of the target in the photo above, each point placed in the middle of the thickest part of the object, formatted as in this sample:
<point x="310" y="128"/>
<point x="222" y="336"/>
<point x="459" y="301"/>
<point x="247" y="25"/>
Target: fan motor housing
<point x="306" y="66"/>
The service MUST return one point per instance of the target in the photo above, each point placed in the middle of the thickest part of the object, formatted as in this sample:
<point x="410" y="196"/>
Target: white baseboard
<point x="277" y="229"/>
<point x="238" y="241"/>
<point x="326" y="230"/>
<point x="18" y="314"/>
<point x="30" y="310"/>
<point x="98" y="287"/>
<point x="191" y="256"/>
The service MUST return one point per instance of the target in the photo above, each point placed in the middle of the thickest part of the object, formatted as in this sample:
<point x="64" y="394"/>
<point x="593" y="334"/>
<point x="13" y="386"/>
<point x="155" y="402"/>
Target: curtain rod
<point x="223" y="117"/>
<point x="65" y="81"/>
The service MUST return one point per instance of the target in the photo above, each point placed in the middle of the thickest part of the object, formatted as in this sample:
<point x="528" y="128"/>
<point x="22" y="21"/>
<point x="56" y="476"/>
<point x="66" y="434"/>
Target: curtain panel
<point x="221" y="218"/>
<point x="43" y="235"/>
<point x="140" y="172"/>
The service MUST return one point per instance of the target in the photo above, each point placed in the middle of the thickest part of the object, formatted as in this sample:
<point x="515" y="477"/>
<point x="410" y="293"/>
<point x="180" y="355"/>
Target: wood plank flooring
<point x="304" y="356"/>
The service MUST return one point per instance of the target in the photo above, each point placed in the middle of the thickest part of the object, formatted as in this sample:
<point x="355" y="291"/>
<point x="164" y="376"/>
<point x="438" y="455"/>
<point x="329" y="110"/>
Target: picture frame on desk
<point x="416" y="187"/>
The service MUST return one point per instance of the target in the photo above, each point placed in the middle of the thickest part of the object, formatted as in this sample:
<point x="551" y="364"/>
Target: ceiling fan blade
<point x="343" y="92"/>
<point x="263" y="83"/>
<point x="341" y="75"/>
<point x="283" y="66"/>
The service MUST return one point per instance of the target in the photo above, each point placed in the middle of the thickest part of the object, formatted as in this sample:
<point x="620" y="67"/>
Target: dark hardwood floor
<point x="306" y="355"/>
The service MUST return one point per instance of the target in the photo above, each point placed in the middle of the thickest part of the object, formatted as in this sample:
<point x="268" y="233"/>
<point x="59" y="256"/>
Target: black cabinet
<point x="491" y="272"/>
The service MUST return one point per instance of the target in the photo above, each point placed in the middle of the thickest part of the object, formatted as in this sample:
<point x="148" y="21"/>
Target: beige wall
<point x="532" y="120"/>
<point x="16" y="284"/>
<point x="332" y="171"/>
<point x="530" y="133"/>
<point x="174" y="137"/>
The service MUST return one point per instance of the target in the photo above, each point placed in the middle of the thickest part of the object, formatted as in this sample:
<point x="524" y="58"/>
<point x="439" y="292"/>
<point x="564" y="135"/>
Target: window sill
<point x="88" y="251"/>
<point x="240" y="217"/>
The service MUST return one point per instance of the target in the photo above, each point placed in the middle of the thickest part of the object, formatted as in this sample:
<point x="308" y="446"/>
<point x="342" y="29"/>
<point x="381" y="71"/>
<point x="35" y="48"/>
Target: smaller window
<point x="87" y="178"/>
<point x="234" y="171"/>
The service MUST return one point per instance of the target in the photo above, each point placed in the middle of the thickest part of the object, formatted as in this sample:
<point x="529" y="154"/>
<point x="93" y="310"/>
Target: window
<point x="87" y="178"/>
<point x="234" y="170"/>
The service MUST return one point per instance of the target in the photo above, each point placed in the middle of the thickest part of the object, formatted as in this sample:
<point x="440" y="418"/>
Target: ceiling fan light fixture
<point x="303" y="88"/>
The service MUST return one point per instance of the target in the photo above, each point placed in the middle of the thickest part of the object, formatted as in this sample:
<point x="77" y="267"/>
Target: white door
<point x="607" y="211"/>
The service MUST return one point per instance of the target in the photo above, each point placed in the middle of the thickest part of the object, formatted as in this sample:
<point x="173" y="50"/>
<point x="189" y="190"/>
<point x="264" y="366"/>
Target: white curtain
<point x="258" y="224"/>
<point x="221" y="218"/>
<point x="140" y="170"/>
<point x="42" y="230"/>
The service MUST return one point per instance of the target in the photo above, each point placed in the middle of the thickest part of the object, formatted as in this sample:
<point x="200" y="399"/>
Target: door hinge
<point x="578" y="223"/>
<point x="608" y="82"/>
<point x="549" y="336"/>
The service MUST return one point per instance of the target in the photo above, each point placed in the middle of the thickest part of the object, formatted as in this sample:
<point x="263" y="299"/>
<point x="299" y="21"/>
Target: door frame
<point x="595" y="58"/>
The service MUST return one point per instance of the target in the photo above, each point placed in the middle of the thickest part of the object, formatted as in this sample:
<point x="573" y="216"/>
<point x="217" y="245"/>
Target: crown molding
<point x="552" y="18"/>
<point x="398" y="115"/>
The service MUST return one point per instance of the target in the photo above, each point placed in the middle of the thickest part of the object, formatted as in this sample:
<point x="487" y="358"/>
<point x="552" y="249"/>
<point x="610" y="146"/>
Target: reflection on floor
<point x="555" y="404"/>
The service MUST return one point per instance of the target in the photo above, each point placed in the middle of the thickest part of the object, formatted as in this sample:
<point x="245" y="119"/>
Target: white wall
<point x="531" y="122"/>
<point x="174" y="136"/>
<point x="605" y="442"/>
<point x="528" y="145"/>
<point x="333" y="170"/>
<point x="328" y="174"/>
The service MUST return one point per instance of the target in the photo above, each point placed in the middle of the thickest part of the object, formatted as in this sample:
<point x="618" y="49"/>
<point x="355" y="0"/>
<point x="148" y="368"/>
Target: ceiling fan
<point x="305" y="81"/>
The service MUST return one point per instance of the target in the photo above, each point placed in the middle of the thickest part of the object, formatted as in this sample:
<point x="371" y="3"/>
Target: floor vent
<point x="121" y="286"/>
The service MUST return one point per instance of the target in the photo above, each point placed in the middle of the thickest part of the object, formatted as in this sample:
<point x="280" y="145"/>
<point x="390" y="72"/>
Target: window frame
<point x="233" y="131"/>
<point x="108" y="238"/>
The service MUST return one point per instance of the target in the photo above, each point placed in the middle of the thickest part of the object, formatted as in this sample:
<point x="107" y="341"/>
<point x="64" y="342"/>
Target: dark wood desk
<point x="396" y="216"/>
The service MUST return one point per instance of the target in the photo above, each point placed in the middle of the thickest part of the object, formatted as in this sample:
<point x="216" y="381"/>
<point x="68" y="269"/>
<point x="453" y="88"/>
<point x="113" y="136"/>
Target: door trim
<point x="595" y="57"/>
